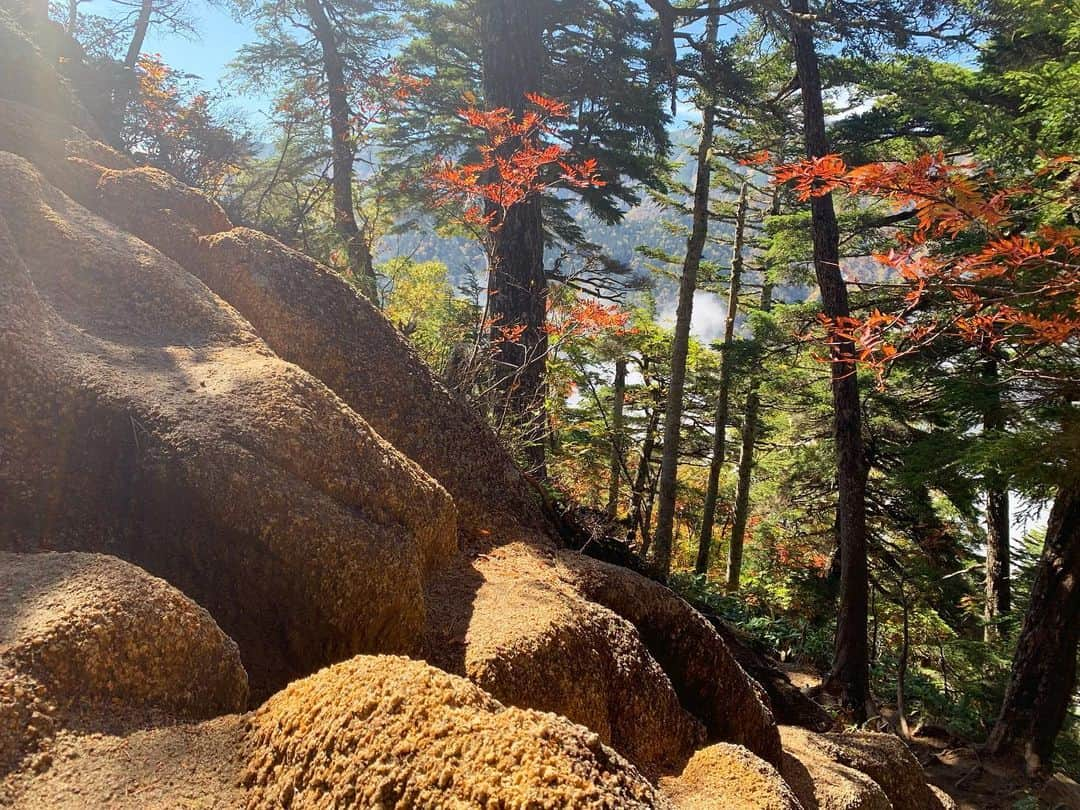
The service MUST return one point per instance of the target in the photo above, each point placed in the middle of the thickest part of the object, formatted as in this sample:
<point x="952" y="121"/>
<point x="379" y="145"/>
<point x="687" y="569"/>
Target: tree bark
<point x="998" y="586"/>
<point x="343" y="151"/>
<point x="617" y="427"/>
<point x="138" y="34"/>
<point x="126" y="89"/>
<point x="749" y="437"/>
<point x="746" y="467"/>
<point x="512" y="62"/>
<point x="851" y="668"/>
<point x="638" y="511"/>
<point x="1043" y="676"/>
<point x="902" y="666"/>
<point x="716" y="465"/>
<point x="695" y="245"/>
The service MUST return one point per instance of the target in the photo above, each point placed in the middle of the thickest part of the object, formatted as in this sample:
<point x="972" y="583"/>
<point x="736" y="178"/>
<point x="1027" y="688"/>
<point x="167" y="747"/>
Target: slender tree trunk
<point x="998" y="590"/>
<point x="749" y="437"/>
<point x="695" y="245"/>
<point x="513" y="59"/>
<point x="851" y="667"/>
<point x="746" y="466"/>
<point x="902" y="667"/>
<point x="617" y="426"/>
<point x="126" y="89"/>
<point x="641" y="480"/>
<point x="73" y="17"/>
<point x="1043" y="677"/>
<point x="343" y="151"/>
<point x="716" y="465"/>
<point x="138" y="34"/>
<point x="998" y="585"/>
<point x="650" y="502"/>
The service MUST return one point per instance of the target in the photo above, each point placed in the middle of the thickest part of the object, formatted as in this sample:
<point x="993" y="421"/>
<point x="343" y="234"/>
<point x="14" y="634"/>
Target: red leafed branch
<point x="517" y="162"/>
<point x="974" y="267"/>
<point x="586" y="317"/>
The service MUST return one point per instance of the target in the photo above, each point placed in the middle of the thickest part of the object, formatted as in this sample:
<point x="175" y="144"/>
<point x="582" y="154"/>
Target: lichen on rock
<point x="82" y="630"/>
<point x="724" y="776"/>
<point x="395" y="733"/>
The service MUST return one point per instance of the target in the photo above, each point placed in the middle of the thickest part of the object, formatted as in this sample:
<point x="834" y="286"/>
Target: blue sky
<point x="206" y="55"/>
<point x="220" y="36"/>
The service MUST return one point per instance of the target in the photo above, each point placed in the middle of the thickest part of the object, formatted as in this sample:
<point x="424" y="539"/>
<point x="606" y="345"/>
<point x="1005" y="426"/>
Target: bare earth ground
<point x="975" y="783"/>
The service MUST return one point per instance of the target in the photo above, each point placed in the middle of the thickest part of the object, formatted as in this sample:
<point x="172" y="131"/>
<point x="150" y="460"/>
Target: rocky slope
<point x="227" y="415"/>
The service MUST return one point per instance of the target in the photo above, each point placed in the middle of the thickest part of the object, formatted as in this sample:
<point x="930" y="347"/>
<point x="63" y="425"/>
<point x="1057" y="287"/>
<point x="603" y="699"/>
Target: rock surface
<point x="151" y="422"/>
<point x="532" y="640"/>
<point x="886" y="760"/>
<point x="29" y="74"/>
<point x="822" y="783"/>
<point x="724" y="776"/>
<point x="80" y="630"/>
<point x="390" y="732"/>
<point x="708" y="680"/>
<point x="135" y="765"/>
<point x="855" y="770"/>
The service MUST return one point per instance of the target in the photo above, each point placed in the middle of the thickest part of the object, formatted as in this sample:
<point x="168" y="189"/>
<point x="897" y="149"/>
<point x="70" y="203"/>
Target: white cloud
<point x="707" y="318"/>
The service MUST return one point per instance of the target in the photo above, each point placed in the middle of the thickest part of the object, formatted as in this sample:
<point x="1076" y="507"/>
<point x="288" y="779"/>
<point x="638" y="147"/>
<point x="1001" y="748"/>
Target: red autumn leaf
<point x="516" y="163"/>
<point x="1017" y="286"/>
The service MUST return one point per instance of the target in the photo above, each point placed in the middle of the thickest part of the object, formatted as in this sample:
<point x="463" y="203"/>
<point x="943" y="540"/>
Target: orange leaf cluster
<point x="588" y="317"/>
<point x="1018" y="285"/>
<point x="517" y="162"/>
<point x="386" y="90"/>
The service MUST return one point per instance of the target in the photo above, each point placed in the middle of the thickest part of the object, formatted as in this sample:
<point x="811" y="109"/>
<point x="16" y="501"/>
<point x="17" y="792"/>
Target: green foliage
<point x="785" y="632"/>
<point x="1018" y="102"/>
<point x="421" y="301"/>
<point x="598" y="61"/>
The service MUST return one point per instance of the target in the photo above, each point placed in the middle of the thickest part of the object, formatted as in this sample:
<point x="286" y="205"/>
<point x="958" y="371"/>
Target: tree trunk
<point x="712" y="491"/>
<point x="749" y="437"/>
<point x="851" y="668"/>
<point x="998" y="590"/>
<point x="138" y="34"/>
<point x="695" y="245"/>
<point x="513" y="58"/>
<point x="746" y="467"/>
<point x="617" y="426"/>
<point x="902" y="666"/>
<point x="343" y="151"/>
<point x="641" y="481"/>
<point x="1043" y="675"/>
<point x="126" y="89"/>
